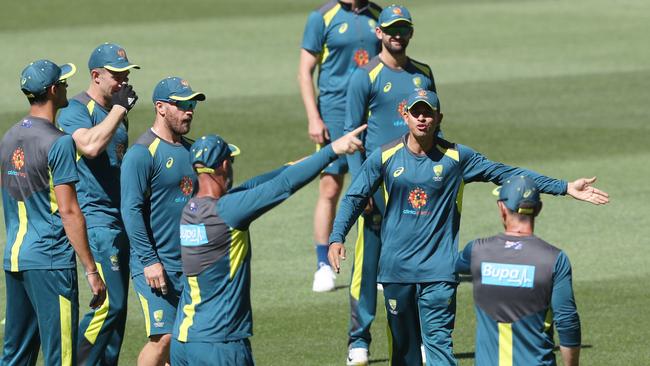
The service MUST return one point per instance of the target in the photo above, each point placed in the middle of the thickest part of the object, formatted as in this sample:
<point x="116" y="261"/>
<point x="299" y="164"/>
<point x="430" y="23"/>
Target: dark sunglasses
<point x="402" y="31"/>
<point x="185" y="105"/>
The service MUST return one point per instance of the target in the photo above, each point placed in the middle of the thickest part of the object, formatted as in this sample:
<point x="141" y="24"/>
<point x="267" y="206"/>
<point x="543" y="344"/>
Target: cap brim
<point x="389" y="23"/>
<point x="193" y="96"/>
<point x="234" y="150"/>
<point x="67" y="70"/>
<point x="120" y="69"/>
<point x="435" y="108"/>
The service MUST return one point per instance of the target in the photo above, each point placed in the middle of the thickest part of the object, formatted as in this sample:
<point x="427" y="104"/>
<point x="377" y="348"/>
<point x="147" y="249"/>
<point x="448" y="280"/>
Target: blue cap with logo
<point x="210" y="151"/>
<point x="393" y="14"/>
<point x="520" y="194"/>
<point x="110" y="56"/>
<point x="172" y="88"/>
<point x="424" y="96"/>
<point x="41" y="74"/>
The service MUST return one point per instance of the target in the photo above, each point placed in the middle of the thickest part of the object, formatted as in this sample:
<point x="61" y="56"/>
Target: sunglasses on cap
<point x="63" y="82"/>
<point x="185" y="105"/>
<point x="402" y="30"/>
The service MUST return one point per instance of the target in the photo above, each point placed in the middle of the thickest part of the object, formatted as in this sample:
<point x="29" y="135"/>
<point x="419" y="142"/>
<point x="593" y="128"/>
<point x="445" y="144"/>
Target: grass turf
<point x="558" y="87"/>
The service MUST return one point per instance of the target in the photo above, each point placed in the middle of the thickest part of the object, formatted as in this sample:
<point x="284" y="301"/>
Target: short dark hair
<point x="36" y="99"/>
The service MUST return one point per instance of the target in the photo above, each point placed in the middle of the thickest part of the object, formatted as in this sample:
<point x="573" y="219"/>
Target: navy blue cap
<point x="393" y="14"/>
<point x="520" y="194"/>
<point x="425" y="96"/>
<point x="41" y="74"/>
<point x="210" y="151"/>
<point x="111" y="57"/>
<point x="173" y="88"/>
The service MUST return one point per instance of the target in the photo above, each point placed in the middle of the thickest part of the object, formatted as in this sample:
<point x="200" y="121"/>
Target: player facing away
<point x="97" y="121"/>
<point x="522" y="287"/>
<point x="338" y="38"/>
<point x="214" y="320"/>
<point x="156" y="182"/>
<point x="44" y="227"/>
<point x="421" y="177"/>
<point x="377" y="96"/>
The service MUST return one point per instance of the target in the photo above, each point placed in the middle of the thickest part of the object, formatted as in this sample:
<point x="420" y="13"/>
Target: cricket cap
<point x="173" y="88"/>
<point x="41" y="74"/>
<point x="110" y="56"/>
<point x="210" y="151"/>
<point x="520" y="194"/>
<point x="423" y="96"/>
<point x="393" y="14"/>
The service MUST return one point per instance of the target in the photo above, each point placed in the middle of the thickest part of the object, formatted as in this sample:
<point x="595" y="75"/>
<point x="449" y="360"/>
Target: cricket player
<point x="214" y="320"/>
<point x="97" y="121"/>
<point x="339" y="37"/>
<point x="377" y="96"/>
<point x="44" y="227"/>
<point x="421" y="177"/>
<point x="522" y="287"/>
<point x="156" y="182"/>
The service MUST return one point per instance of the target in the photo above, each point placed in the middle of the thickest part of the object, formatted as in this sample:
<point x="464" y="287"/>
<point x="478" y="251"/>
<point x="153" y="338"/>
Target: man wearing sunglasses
<point x="156" y="182"/>
<point x="422" y="177"/>
<point x="97" y="121"/>
<point x="377" y="95"/>
<point x="45" y="227"/>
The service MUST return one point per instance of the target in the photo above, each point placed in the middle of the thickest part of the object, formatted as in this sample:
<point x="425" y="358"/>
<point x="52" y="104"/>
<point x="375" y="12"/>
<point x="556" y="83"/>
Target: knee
<point x="161" y="342"/>
<point x="330" y="188"/>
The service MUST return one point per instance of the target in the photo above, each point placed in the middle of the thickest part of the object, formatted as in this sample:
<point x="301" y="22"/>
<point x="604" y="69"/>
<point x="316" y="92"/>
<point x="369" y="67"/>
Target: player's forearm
<point x="137" y="233"/>
<point x="297" y="175"/>
<point x="306" y="84"/>
<point x="93" y="141"/>
<point x="74" y="225"/>
<point x="570" y="355"/>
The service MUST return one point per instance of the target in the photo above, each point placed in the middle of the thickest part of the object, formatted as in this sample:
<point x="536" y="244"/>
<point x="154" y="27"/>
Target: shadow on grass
<point x="466" y="355"/>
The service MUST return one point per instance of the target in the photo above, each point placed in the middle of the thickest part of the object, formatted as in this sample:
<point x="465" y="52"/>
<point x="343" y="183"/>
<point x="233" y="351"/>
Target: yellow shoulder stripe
<point x="385" y="155"/>
<point x="375" y="71"/>
<point x="90" y="106"/>
<point x="449" y="152"/>
<point x="154" y="146"/>
<point x="326" y="52"/>
<point x="329" y="15"/>
<point x="422" y="67"/>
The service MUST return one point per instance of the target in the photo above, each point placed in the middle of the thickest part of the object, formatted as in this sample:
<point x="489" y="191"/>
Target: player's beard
<point x="396" y="50"/>
<point x="178" y="125"/>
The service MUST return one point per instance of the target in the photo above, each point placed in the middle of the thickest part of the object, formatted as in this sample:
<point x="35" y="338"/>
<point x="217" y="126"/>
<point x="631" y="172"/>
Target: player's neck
<point x="161" y="130"/>
<point x="98" y="97"/>
<point x="210" y="186"/>
<point x="420" y="145"/>
<point x="45" y="111"/>
<point x="393" y="60"/>
<point x="519" y="228"/>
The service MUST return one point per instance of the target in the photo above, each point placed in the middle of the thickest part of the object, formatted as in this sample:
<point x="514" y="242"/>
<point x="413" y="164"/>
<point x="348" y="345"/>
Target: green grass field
<point x="556" y="86"/>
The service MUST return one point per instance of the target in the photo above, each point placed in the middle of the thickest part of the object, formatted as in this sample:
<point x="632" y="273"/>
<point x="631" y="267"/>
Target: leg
<point x="178" y="353"/>
<point x="403" y="324"/>
<point x="21" y="337"/>
<point x="101" y="331"/>
<point x="156" y="351"/>
<point x="56" y="303"/>
<point x="437" y="303"/>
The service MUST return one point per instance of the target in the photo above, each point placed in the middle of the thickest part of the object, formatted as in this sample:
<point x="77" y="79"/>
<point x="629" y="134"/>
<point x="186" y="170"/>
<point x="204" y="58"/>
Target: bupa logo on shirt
<point x="193" y="235"/>
<point x="510" y="275"/>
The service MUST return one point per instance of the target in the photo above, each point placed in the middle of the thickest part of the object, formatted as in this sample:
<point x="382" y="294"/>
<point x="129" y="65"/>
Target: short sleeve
<point x="62" y="160"/>
<point x="314" y="34"/>
<point x="74" y="117"/>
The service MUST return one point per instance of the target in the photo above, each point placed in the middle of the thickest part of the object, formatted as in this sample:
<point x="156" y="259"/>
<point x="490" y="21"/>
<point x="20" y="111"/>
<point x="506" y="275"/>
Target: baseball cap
<point x="520" y="194"/>
<point x="173" y="88"/>
<point x="40" y="74"/>
<point x="425" y="96"/>
<point x="110" y="56"/>
<point x="394" y="13"/>
<point x="210" y="151"/>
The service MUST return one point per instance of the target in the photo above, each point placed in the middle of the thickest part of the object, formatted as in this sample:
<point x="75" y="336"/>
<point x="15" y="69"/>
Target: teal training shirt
<point x="98" y="189"/>
<point x="423" y="194"/>
<point x="377" y="96"/>
<point x="215" y="304"/>
<point x="344" y="39"/>
<point x="35" y="157"/>
<point x="522" y="290"/>
<point x="157" y="181"/>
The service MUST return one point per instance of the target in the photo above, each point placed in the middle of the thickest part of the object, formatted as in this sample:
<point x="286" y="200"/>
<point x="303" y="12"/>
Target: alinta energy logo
<point x="18" y="161"/>
<point x="401" y="110"/>
<point x="187" y="186"/>
<point x="361" y="57"/>
<point x="417" y="198"/>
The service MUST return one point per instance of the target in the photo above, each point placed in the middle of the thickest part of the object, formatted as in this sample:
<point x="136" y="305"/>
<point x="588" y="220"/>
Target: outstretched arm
<point x="582" y="189"/>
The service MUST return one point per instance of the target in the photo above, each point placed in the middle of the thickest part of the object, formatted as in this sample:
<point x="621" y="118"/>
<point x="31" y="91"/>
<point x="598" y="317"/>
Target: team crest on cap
<point x="343" y="28"/>
<point x="418" y="198"/>
<point x="121" y="52"/>
<point x="422" y="92"/>
<point x="527" y="193"/>
<point x="361" y="57"/>
<point x="187" y="186"/>
<point x="185" y="83"/>
<point x="397" y="11"/>
<point x="23" y="81"/>
<point x="18" y="158"/>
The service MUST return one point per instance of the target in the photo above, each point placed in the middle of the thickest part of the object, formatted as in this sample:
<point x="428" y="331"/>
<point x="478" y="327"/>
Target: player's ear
<point x="379" y="33"/>
<point x="160" y="108"/>
<point x="94" y="75"/>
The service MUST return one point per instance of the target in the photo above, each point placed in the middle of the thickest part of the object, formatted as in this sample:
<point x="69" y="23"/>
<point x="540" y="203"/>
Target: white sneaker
<point x="424" y="354"/>
<point x="324" y="279"/>
<point x="357" y="357"/>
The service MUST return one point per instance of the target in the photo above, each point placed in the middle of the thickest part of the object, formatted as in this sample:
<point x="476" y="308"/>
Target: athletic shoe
<point x="324" y="279"/>
<point x="357" y="357"/>
<point x="424" y="354"/>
